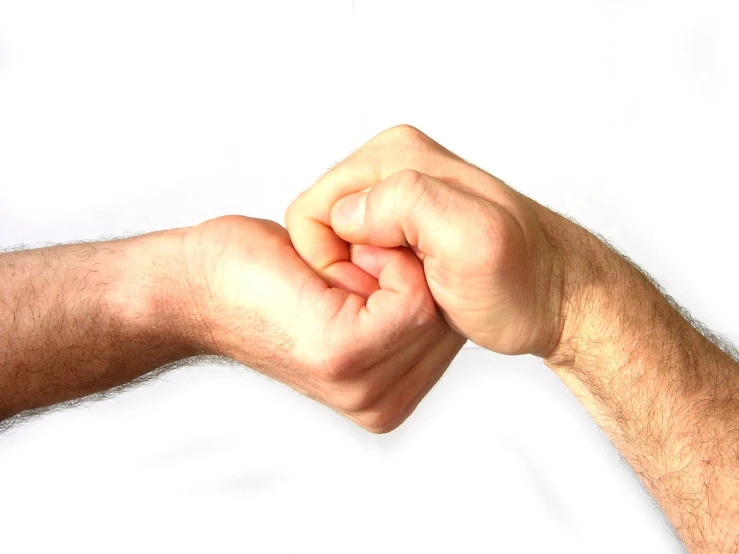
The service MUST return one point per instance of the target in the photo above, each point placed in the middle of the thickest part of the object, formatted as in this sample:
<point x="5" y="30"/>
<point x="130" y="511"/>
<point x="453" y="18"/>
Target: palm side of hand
<point x="371" y="349"/>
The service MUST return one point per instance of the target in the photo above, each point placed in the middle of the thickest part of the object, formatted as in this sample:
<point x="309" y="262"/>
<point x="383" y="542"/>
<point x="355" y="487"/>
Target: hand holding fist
<point x="344" y="307"/>
<point x="487" y="259"/>
<point x="371" y="354"/>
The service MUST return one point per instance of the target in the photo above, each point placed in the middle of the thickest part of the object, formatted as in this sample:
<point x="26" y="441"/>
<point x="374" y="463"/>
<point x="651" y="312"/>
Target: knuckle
<point x="410" y="186"/>
<point x="357" y="398"/>
<point x="416" y="194"/>
<point x="403" y="134"/>
<point x="410" y="179"/>
<point x="381" y="421"/>
<point x="424" y="309"/>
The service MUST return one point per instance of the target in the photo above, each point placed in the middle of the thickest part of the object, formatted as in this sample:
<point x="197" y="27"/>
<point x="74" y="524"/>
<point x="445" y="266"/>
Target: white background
<point x="119" y="117"/>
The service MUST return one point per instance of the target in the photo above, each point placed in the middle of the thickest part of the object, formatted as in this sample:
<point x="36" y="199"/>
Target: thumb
<point x="406" y="208"/>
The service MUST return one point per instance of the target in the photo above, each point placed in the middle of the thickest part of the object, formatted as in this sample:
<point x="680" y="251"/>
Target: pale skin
<point x="389" y="262"/>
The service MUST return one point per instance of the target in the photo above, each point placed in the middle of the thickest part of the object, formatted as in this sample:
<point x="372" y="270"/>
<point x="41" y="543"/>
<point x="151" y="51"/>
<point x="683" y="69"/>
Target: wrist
<point x="151" y="292"/>
<point x="616" y="324"/>
<point x="606" y="300"/>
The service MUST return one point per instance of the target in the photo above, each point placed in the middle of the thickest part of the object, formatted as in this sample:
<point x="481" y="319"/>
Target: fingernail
<point x="349" y="211"/>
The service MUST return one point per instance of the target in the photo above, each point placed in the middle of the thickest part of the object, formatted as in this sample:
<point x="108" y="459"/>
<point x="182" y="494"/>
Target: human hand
<point x="488" y="260"/>
<point x="371" y="350"/>
<point x="518" y="278"/>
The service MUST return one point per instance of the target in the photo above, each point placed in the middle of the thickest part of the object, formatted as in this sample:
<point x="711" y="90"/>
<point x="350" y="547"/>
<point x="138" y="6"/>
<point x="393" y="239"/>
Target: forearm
<point x="81" y="318"/>
<point x="666" y="396"/>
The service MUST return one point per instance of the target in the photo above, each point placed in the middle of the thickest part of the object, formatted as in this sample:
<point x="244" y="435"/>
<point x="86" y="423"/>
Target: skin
<point x="80" y="319"/>
<point x="517" y="278"/>
<point x="392" y="259"/>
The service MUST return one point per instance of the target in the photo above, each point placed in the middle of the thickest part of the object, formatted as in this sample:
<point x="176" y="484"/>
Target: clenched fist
<point x="487" y="259"/>
<point x="371" y="348"/>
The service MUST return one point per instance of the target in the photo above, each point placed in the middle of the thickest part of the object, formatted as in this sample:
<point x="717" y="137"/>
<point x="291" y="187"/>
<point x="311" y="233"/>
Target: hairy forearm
<point x="666" y="395"/>
<point x="81" y="318"/>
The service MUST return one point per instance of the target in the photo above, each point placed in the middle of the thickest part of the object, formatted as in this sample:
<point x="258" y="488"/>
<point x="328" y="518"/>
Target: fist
<point x="487" y="258"/>
<point x="369" y="344"/>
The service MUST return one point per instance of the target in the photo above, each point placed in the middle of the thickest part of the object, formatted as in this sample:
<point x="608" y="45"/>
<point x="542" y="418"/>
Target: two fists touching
<point x="389" y="262"/>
